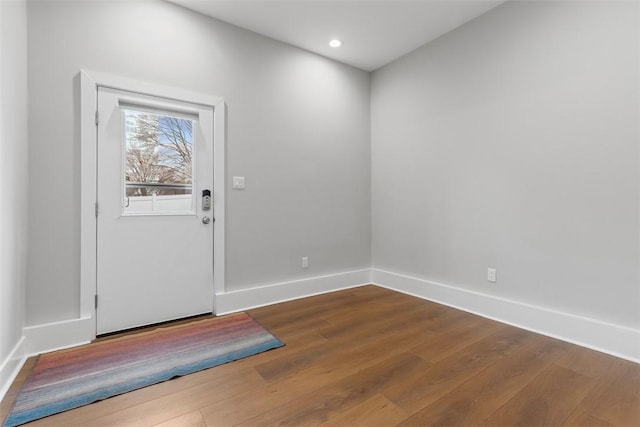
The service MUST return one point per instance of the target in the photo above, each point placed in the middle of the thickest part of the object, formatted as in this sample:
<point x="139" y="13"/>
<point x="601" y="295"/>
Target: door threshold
<point x="147" y="328"/>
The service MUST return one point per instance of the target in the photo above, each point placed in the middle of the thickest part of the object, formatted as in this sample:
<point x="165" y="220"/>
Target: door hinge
<point x="96" y="300"/>
<point x="97" y="118"/>
<point x="96" y="208"/>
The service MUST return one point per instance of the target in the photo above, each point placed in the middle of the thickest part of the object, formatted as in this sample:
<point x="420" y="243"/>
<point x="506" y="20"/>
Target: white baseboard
<point x="245" y="299"/>
<point x="58" y="335"/>
<point x="11" y="366"/>
<point x="619" y="341"/>
<point x="68" y="333"/>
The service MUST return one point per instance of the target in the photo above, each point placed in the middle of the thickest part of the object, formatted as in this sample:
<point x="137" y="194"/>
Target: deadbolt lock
<point x="206" y="200"/>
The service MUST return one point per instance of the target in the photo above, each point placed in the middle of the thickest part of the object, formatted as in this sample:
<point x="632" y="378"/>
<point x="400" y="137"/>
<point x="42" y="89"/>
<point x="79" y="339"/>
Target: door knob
<point x="206" y="220"/>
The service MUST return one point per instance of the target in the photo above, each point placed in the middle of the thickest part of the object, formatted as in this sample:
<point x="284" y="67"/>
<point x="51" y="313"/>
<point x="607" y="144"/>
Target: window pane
<point x="158" y="163"/>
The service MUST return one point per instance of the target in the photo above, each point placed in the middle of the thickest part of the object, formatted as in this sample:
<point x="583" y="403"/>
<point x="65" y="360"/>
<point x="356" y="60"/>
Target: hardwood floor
<point x="373" y="357"/>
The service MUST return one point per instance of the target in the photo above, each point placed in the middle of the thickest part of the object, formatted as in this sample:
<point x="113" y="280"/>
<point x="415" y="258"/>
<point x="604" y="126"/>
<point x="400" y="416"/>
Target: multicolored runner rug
<point x="67" y="379"/>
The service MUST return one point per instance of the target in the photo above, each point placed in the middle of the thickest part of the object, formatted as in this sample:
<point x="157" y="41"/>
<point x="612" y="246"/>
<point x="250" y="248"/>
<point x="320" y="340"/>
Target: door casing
<point x="89" y="83"/>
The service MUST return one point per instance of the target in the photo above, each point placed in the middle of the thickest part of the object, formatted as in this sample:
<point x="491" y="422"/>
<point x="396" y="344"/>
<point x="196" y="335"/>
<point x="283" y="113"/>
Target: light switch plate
<point x="238" y="182"/>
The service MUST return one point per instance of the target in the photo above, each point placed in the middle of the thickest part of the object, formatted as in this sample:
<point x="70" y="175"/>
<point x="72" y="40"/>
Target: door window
<point x="158" y="164"/>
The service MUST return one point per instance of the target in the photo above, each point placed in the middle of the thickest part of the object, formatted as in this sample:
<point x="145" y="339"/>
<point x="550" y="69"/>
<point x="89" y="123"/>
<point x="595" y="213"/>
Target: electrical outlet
<point x="491" y="275"/>
<point x="305" y="262"/>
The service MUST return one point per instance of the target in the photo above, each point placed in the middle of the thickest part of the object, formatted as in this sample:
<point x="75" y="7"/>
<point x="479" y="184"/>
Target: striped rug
<point x="70" y="378"/>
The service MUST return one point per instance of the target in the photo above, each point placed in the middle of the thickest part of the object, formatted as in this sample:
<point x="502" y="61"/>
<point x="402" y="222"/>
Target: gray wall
<point x="512" y="142"/>
<point x="13" y="173"/>
<point x="298" y="130"/>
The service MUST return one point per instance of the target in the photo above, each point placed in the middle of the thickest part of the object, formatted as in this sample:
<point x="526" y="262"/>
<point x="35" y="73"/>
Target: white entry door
<point x="154" y="219"/>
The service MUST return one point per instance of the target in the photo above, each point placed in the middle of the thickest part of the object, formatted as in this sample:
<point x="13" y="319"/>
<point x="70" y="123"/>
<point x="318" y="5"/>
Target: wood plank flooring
<point x="373" y="357"/>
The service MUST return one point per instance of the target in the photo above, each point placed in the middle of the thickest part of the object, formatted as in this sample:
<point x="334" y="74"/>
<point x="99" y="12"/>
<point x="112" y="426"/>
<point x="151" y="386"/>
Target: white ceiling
<point x="373" y="33"/>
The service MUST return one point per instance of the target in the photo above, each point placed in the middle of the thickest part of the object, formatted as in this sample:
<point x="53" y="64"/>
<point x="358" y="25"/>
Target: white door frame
<point x="89" y="83"/>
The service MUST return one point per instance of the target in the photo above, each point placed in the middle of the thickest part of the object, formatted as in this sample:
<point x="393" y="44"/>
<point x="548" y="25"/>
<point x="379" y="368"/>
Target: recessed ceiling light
<point x="335" y="43"/>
